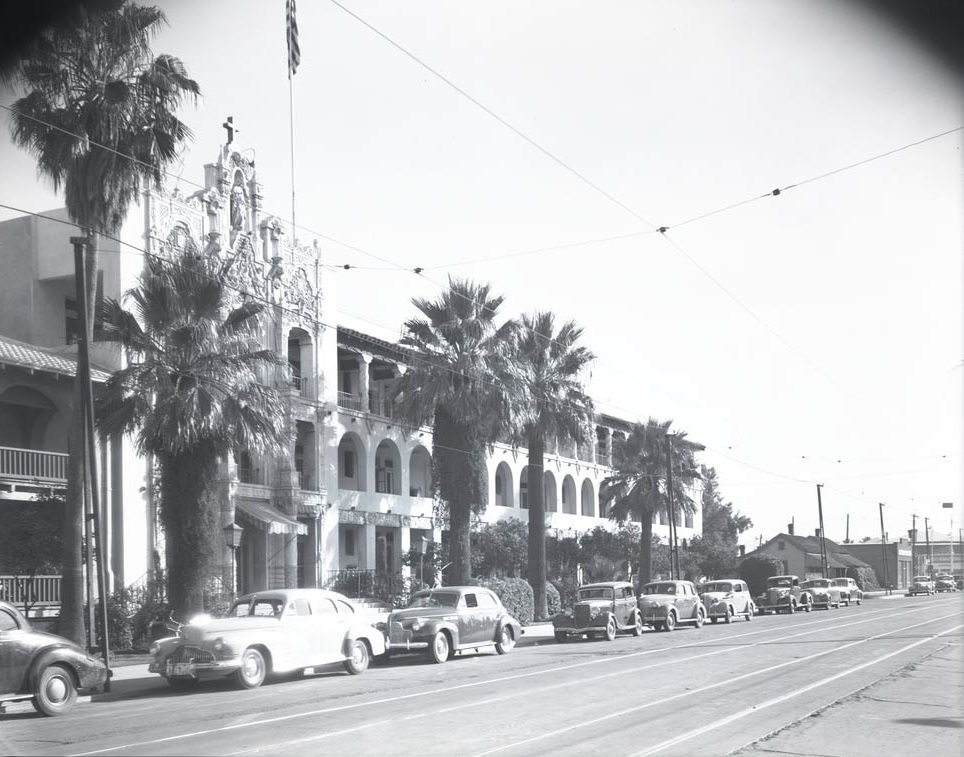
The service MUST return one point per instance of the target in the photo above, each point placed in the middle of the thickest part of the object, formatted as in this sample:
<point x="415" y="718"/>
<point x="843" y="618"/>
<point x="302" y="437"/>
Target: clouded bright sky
<point x="811" y="337"/>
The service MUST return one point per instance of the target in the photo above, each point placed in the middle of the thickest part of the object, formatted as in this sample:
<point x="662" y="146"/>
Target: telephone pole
<point x="823" y="538"/>
<point x="883" y="547"/>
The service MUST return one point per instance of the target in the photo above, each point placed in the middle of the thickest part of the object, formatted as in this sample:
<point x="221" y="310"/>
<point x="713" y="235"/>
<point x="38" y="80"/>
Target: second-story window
<point x="348" y="463"/>
<point x="385" y="477"/>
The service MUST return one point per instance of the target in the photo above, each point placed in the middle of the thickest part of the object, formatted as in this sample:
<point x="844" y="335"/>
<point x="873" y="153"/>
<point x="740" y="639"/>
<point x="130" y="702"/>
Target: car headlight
<point x="218" y="644"/>
<point x="154" y="649"/>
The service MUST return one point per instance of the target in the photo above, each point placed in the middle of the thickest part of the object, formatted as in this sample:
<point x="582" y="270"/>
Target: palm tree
<point x="192" y="392"/>
<point x="99" y="115"/>
<point x="638" y="487"/>
<point x="556" y="407"/>
<point x="457" y="350"/>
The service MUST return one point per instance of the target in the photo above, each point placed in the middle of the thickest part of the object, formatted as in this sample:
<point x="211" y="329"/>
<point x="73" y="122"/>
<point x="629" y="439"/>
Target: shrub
<point x="756" y="570"/>
<point x="567" y="586"/>
<point x="516" y="595"/>
<point x="119" y="614"/>
<point x="553" y="599"/>
<point x="865" y="578"/>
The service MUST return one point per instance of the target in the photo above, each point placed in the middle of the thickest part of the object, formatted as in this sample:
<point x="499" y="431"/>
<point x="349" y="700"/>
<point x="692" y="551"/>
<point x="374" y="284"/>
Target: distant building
<point x="899" y="574"/>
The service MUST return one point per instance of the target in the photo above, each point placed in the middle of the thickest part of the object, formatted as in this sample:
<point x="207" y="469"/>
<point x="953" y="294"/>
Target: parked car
<point x="450" y="620"/>
<point x="945" y="582"/>
<point x="823" y="592"/>
<point x="784" y="594"/>
<point x="921" y="585"/>
<point x="724" y="599"/>
<point x="601" y="610"/>
<point x="271" y="632"/>
<point x="959" y="582"/>
<point x="849" y="591"/>
<point x="48" y="670"/>
<point x="666" y="604"/>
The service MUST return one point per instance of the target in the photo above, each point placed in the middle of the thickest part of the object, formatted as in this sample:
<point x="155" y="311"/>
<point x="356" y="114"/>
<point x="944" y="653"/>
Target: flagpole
<point x="291" y="125"/>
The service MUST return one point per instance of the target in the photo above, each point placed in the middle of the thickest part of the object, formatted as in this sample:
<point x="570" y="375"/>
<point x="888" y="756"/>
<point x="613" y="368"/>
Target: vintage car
<point x="281" y="631"/>
<point x="921" y="585"/>
<point x="666" y="604"/>
<point x="784" y="594"/>
<point x="823" y="592"/>
<point x="601" y="610"/>
<point x="849" y="591"/>
<point x="945" y="582"/>
<point x="450" y="620"/>
<point x="48" y="670"/>
<point x="725" y="598"/>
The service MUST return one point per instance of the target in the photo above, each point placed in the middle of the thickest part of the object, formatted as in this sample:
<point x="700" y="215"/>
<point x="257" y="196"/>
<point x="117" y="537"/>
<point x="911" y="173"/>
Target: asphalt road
<point x="882" y="677"/>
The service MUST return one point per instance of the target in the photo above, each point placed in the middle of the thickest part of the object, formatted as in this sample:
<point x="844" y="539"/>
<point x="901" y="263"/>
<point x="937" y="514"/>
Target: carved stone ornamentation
<point x="299" y="294"/>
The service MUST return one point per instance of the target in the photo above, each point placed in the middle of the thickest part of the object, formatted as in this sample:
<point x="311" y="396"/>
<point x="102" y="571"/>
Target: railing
<point x="39" y="590"/>
<point x="349" y="401"/>
<point x="382" y="405"/>
<point x="33" y="465"/>
<point x="250" y="475"/>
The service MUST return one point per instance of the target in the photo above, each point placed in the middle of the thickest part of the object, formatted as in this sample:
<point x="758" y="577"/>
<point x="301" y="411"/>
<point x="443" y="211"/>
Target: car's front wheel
<point x="610" y="633"/>
<point x="506" y="641"/>
<point x="55" y="693"/>
<point x="440" y="648"/>
<point x="701" y="617"/>
<point x="253" y="669"/>
<point x="728" y="618"/>
<point x="638" y="627"/>
<point x="359" y="659"/>
<point x="670" y="623"/>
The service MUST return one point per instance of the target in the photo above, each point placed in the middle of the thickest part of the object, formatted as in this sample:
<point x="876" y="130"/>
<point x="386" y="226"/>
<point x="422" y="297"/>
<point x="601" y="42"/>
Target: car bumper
<point x="199" y="670"/>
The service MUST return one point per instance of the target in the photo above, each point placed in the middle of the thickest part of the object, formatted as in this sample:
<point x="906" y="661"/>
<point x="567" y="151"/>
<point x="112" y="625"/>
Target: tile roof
<point x="34" y="358"/>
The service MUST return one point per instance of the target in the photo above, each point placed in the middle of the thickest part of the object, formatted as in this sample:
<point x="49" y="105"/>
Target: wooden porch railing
<point x="33" y="465"/>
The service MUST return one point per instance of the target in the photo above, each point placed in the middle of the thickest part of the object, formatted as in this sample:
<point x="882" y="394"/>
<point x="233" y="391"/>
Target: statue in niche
<point x="239" y="206"/>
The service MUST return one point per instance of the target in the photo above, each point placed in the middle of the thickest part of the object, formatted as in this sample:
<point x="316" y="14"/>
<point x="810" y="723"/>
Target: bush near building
<point x="516" y="595"/>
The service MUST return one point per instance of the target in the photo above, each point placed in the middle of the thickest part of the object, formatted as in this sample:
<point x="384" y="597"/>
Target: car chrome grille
<point x="396" y="633"/>
<point x="583" y="615"/>
<point x="191" y="654"/>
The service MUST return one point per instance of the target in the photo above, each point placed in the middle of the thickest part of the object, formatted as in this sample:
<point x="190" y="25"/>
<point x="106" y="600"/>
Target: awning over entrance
<point x="267" y="518"/>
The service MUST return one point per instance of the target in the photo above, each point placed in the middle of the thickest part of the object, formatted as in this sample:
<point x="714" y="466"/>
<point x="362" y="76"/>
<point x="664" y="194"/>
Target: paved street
<point x="852" y="681"/>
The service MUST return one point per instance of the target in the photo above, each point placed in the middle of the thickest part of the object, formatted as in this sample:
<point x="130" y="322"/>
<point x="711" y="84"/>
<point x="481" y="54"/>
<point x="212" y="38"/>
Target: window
<point x="485" y="600"/>
<point x="471" y="601"/>
<point x="7" y="621"/>
<point x="349" y="543"/>
<point x="301" y="607"/>
<point x="348" y="464"/>
<point x="688" y="520"/>
<point x="385" y="478"/>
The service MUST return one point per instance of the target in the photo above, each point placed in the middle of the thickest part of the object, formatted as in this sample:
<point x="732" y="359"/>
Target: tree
<point x="31" y="542"/>
<point x="457" y="350"/>
<point x="637" y="488"/>
<point x="499" y="549"/>
<point x="191" y="394"/>
<point x="99" y="115"/>
<point x="715" y="553"/>
<point x="555" y="407"/>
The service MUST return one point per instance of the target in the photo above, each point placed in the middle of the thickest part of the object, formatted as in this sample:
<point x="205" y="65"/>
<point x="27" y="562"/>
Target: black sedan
<point x="450" y="620"/>
<point x="48" y="670"/>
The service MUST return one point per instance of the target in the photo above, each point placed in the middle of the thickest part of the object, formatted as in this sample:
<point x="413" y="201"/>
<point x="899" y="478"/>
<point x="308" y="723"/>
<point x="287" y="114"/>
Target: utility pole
<point x="883" y="547"/>
<point x="673" y="546"/>
<point x="913" y="544"/>
<point x="930" y="555"/>
<point x="93" y="517"/>
<point x="823" y="538"/>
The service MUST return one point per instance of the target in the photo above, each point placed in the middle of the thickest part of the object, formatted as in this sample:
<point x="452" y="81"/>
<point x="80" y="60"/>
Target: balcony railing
<point x="28" y="592"/>
<point x="349" y="401"/>
<point x="33" y="465"/>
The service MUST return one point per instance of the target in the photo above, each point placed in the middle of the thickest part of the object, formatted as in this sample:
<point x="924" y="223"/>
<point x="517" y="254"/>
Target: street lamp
<point x="232" y="538"/>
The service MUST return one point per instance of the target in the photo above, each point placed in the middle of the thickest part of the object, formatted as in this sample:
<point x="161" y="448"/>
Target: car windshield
<point x="659" y="589"/>
<point x="262" y="608"/>
<point x="435" y="599"/>
<point x="596" y="592"/>
<point x="780" y="581"/>
<point x="818" y="583"/>
<point x="718" y="586"/>
<point x="840" y="581"/>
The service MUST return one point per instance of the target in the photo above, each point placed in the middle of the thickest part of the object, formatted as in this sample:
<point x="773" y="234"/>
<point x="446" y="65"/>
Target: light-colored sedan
<point x="724" y="599"/>
<point x="271" y="632"/>
<point x="666" y="604"/>
<point x="849" y="591"/>
<point x="824" y="593"/>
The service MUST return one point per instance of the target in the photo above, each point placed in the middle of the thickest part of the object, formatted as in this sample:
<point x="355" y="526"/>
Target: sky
<point x="809" y="337"/>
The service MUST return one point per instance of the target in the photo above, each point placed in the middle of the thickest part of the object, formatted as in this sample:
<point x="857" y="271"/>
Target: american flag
<point x="294" y="50"/>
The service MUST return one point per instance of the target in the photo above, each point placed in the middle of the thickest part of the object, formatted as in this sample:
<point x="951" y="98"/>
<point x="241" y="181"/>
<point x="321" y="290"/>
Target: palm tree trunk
<point x="71" y="622"/>
<point x="645" y="548"/>
<point x="537" y="528"/>
<point x="453" y="441"/>
<point x="189" y="512"/>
